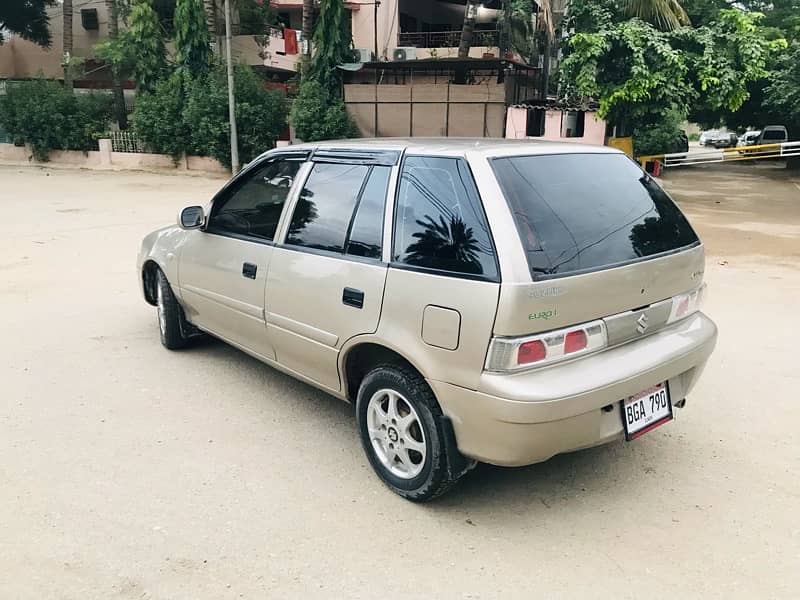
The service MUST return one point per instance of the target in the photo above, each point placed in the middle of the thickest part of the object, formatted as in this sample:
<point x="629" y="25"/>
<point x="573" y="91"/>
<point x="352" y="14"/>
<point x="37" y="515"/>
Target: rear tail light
<point x="575" y="341"/>
<point x="684" y="305"/>
<point x="531" y="352"/>
<point x="512" y="354"/>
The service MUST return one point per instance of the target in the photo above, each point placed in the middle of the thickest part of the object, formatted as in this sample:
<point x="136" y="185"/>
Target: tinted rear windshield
<point x="583" y="212"/>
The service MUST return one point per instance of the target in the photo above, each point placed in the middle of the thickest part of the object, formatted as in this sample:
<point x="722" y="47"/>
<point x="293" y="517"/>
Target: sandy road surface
<point x="127" y="471"/>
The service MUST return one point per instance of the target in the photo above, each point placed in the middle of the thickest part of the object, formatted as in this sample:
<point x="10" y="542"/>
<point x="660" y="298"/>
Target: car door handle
<point x="249" y="270"/>
<point x="353" y="297"/>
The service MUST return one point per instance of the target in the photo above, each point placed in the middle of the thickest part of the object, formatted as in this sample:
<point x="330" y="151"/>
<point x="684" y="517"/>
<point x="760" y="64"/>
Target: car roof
<point x="454" y="146"/>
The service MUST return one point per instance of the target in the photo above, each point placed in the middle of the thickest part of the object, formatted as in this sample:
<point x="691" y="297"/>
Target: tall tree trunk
<point x="308" y="24"/>
<point x="212" y="15"/>
<point x="470" y="12"/>
<point x="67" y="43"/>
<point x="544" y="82"/>
<point x="120" y="113"/>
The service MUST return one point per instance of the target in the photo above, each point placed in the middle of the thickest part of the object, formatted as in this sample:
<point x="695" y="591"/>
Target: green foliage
<point x="724" y="56"/>
<point x="45" y="115"/>
<point x="515" y="21"/>
<point x="664" y="14"/>
<point x="260" y="115"/>
<point x="630" y="69"/>
<point x="636" y="71"/>
<point x="189" y="114"/>
<point x="26" y="18"/>
<point x="192" y="49"/>
<point x="255" y="16"/>
<point x="318" y="115"/>
<point x="158" y="116"/>
<point x="139" y="49"/>
<point x="332" y="44"/>
<point x="783" y="92"/>
<point x="662" y="134"/>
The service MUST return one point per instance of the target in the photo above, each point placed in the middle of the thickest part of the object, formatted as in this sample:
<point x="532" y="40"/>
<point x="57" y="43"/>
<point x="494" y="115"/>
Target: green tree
<point x="664" y="14"/>
<point x="187" y="114"/>
<point x="192" y="49"/>
<point x="332" y="45"/>
<point x="158" y="116"/>
<point x="260" y="115"/>
<point x="637" y="72"/>
<point x="28" y="19"/>
<point x="139" y="50"/>
<point x="782" y="95"/>
<point x="318" y="115"/>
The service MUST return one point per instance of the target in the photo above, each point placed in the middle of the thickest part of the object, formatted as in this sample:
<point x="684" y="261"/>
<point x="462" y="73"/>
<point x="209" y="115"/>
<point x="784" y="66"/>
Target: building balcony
<point x="488" y="38"/>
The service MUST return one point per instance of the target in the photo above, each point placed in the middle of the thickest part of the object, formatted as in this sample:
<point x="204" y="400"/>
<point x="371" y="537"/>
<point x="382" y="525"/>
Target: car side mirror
<point x="192" y="217"/>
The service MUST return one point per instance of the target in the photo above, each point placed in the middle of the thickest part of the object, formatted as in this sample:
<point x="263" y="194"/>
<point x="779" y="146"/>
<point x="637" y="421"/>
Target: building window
<point x="535" y="123"/>
<point x="572" y="123"/>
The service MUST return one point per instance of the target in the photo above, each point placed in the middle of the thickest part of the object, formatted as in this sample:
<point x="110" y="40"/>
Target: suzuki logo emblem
<point x="641" y="323"/>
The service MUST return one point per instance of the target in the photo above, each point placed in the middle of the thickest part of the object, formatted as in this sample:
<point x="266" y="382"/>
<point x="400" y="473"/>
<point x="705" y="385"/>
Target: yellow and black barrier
<point x="678" y="159"/>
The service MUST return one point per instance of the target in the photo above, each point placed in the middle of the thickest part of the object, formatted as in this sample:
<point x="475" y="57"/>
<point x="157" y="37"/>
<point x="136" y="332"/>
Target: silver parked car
<point x="476" y="300"/>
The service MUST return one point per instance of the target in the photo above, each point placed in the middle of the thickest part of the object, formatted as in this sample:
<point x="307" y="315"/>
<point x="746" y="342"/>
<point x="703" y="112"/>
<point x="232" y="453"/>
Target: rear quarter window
<point x="582" y="212"/>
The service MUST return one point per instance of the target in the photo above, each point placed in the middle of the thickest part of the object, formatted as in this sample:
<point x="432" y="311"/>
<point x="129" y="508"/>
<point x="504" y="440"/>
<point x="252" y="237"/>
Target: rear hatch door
<point x="601" y="239"/>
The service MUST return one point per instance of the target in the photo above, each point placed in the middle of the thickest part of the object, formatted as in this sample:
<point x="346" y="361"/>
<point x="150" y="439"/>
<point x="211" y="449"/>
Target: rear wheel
<point x="402" y="433"/>
<point x="170" y="315"/>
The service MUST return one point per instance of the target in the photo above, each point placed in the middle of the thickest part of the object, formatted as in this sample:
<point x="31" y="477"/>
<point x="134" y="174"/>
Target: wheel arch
<point x="361" y="355"/>
<point x="149" y="270"/>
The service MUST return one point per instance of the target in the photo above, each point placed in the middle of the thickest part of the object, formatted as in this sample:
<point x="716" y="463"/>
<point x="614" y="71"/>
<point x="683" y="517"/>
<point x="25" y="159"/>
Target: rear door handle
<point x="249" y="270"/>
<point x="353" y="297"/>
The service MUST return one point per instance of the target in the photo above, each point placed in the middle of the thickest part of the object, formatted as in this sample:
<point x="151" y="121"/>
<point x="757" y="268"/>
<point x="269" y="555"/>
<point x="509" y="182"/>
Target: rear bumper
<point x="525" y="418"/>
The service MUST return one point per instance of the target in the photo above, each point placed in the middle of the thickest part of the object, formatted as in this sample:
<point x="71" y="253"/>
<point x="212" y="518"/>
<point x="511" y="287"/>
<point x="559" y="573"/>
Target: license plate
<point x="646" y="410"/>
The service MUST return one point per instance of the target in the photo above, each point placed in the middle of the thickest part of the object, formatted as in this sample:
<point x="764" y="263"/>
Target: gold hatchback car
<point x="477" y="300"/>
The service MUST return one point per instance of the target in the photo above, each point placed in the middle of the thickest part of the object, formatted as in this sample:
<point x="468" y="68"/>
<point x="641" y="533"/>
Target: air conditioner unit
<point x="362" y="55"/>
<point x="407" y="53"/>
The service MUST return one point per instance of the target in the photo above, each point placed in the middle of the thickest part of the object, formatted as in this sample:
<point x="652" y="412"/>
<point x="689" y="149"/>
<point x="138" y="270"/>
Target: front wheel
<point x="170" y="315"/>
<point x="402" y="433"/>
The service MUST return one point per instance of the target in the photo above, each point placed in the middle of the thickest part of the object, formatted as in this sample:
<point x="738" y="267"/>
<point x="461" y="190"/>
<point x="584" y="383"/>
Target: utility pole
<point x="376" y="4"/>
<point x="231" y="105"/>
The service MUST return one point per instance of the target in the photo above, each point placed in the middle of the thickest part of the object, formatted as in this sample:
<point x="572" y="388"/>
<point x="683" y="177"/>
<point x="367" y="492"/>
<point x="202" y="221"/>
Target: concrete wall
<point x="594" y="128"/>
<point x="423" y="109"/>
<point x="106" y="159"/>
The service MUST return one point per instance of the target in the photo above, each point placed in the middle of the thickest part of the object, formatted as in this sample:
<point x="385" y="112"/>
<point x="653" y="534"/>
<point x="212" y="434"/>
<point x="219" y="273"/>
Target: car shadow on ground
<point x="605" y="474"/>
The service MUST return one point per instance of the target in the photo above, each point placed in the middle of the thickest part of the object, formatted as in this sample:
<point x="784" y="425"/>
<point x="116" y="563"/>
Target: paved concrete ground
<point x="127" y="471"/>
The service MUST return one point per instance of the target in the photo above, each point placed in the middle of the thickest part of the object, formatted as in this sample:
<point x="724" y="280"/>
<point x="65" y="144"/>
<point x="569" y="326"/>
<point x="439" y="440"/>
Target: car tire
<point x="170" y="315"/>
<point x="403" y="434"/>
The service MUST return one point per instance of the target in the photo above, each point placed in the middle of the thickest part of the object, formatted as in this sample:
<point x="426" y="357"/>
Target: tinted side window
<point x="774" y="134"/>
<point x="325" y="206"/>
<point x="254" y="207"/>
<point x="366" y="232"/>
<point x="440" y="222"/>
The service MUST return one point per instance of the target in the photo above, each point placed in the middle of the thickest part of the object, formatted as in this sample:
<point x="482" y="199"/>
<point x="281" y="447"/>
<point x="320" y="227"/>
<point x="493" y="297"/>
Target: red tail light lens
<point x="575" y="340"/>
<point x="531" y="352"/>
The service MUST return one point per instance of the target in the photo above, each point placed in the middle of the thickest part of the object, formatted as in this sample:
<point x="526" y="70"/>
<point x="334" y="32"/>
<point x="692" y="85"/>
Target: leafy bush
<point x="317" y="115"/>
<point x="661" y="133"/>
<point x="260" y="115"/>
<point x="189" y="114"/>
<point x="158" y="117"/>
<point x="45" y="115"/>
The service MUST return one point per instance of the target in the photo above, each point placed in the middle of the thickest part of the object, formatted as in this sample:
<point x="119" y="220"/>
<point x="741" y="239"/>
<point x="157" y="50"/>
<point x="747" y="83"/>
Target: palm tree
<point x="116" y="85"/>
<point x="470" y="12"/>
<point x="546" y="33"/>
<point x="664" y="14"/>
<point x="67" y="43"/>
<point x="308" y="24"/>
<point x="450" y="243"/>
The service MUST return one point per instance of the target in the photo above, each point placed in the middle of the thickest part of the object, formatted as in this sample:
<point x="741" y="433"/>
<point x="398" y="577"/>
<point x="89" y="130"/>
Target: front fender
<point x="162" y="247"/>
